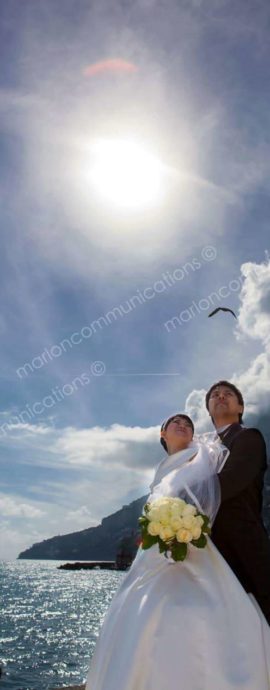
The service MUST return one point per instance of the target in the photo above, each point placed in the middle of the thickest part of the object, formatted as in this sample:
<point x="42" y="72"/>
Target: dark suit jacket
<point x="238" y="531"/>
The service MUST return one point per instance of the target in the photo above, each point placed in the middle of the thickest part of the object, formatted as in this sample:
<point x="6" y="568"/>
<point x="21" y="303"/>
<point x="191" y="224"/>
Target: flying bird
<point x="222" y="309"/>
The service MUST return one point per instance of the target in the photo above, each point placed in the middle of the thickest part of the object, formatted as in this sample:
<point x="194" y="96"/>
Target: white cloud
<point x="81" y="516"/>
<point x="14" y="538"/>
<point x="254" y="314"/>
<point x="107" y="466"/>
<point x="195" y="408"/>
<point x="254" y="384"/>
<point x="116" y="446"/>
<point x="27" y="429"/>
<point x="76" y="505"/>
<point x="11" y="506"/>
<point x="254" y="323"/>
<point x="111" y="447"/>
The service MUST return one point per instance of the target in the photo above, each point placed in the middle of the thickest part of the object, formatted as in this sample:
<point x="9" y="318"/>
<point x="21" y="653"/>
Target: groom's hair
<point x="233" y="388"/>
<point x="167" y="422"/>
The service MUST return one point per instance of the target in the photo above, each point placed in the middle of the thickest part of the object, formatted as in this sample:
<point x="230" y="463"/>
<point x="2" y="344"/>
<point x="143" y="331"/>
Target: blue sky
<point x="199" y="101"/>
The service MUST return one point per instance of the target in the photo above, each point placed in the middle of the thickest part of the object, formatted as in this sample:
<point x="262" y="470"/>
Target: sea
<point x="49" y="622"/>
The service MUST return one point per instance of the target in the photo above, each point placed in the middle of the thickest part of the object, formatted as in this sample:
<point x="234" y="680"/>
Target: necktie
<point x="224" y="433"/>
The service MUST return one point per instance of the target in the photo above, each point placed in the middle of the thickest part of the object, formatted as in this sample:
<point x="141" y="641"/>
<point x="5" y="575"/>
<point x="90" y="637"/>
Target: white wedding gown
<point x="181" y="626"/>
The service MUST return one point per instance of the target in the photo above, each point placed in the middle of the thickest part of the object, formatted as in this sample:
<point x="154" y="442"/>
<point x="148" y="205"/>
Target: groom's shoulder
<point x="251" y="431"/>
<point x="249" y="436"/>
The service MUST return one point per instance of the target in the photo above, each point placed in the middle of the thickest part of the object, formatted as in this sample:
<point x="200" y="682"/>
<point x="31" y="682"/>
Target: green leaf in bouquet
<point x="205" y="527"/>
<point x="146" y="507"/>
<point x="201" y="542"/>
<point x="144" y="531"/>
<point x="162" y="545"/>
<point x="143" y="520"/>
<point x="205" y="520"/>
<point x="148" y="540"/>
<point x="178" y="551"/>
<point x="207" y="530"/>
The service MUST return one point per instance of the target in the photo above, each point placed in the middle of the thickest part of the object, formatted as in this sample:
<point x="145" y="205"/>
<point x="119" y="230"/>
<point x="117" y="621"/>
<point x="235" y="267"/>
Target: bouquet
<point x="173" y="524"/>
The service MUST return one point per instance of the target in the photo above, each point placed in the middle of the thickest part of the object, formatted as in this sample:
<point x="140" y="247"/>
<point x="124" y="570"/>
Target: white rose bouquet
<point x="173" y="524"/>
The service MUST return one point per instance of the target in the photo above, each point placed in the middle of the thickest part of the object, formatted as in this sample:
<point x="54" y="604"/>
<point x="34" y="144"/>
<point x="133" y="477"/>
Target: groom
<point x="238" y="531"/>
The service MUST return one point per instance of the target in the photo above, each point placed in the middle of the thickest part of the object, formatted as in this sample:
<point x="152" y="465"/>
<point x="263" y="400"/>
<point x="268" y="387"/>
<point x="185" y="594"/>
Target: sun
<point x="125" y="174"/>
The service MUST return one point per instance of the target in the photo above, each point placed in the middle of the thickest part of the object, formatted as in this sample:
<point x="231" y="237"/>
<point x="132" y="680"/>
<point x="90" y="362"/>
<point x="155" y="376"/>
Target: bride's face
<point x="178" y="434"/>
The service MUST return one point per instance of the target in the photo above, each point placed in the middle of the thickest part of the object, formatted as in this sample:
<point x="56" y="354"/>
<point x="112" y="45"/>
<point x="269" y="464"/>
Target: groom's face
<point x="224" y="405"/>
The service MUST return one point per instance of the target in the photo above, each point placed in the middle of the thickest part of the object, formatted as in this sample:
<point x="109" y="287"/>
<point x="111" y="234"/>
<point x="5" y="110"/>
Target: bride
<point x="186" y="625"/>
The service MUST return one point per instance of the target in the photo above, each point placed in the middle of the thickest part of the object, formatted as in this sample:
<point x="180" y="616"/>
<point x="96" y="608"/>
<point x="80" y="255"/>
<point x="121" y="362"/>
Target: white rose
<point x="176" y="523"/>
<point x="154" y="528"/>
<point x="200" y="520"/>
<point x="165" y="501"/>
<point x="188" y="521"/>
<point x="153" y="514"/>
<point x="184" y="536"/>
<point x="196" y="531"/>
<point x="189" y="510"/>
<point x="164" y="515"/>
<point x="178" y="506"/>
<point x="176" y="509"/>
<point x="166" y="533"/>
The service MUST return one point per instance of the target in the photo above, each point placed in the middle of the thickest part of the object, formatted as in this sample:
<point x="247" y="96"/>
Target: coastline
<point x="72" y="687"/>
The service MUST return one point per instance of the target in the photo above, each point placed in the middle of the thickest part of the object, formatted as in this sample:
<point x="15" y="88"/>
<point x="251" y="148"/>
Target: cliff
<point x="102" y="542"/>
<point x="95" y="543"/>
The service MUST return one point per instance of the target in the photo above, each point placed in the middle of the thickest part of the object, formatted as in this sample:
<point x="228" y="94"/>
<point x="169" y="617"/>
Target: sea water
<point x="49" y="622"/>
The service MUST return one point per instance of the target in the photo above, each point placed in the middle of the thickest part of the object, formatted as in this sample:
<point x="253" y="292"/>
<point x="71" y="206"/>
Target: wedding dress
<point x="183" y="625"/>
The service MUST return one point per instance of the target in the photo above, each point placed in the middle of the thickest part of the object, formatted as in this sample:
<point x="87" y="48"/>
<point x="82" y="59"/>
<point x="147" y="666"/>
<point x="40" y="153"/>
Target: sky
<point x="104" y="307"/>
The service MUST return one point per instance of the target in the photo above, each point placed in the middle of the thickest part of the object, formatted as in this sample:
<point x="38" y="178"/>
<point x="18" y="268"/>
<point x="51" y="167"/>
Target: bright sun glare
<point x="126" y="175"/>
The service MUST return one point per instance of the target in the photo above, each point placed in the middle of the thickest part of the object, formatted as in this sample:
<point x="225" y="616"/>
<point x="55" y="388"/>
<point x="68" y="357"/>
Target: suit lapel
<point x="228" y="436"/>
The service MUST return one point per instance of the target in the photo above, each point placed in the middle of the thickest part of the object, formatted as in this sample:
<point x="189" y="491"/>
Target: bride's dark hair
<point x="167" y="422"/>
